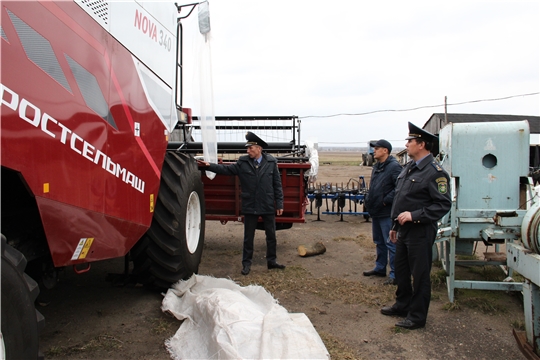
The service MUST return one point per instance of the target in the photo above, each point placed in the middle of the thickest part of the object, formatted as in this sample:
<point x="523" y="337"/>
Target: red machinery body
<point x="223" y="200"/>
<point x="90" y="93"/>
<point x="95" y="177"/>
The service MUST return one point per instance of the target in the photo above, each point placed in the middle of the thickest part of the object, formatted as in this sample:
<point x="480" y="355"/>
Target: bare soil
<point x="88" y="316"/>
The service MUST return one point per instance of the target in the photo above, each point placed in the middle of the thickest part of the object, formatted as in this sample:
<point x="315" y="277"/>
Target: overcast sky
<point x="319" y="58"/>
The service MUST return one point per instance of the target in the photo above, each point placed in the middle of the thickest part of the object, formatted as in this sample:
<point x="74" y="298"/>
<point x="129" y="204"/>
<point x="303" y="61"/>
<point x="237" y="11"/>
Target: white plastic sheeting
<point x="203" y="65"/>
<point x="223" y="320"/>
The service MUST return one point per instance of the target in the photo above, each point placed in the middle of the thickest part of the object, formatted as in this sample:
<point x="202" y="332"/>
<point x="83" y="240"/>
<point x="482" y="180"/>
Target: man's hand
<point x="202" y="163"/>
<point x="404" y="217"/>
<point x="279" y="212"/>
<point x="393" y="236"/>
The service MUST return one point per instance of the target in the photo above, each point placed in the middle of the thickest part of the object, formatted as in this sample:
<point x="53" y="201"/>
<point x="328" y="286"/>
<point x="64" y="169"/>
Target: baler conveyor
<point x="282" y="134"/>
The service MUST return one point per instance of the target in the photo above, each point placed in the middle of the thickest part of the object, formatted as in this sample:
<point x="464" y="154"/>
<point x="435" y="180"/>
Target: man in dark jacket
<point x="262" y="196"/>
<point x="378" y="203"/>
<point x="422" y="198"/>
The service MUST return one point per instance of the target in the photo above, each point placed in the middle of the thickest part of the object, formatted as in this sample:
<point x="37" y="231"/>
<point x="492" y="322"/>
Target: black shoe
<point x="373" y="272"/>
<point x="390" y="281"/>
<point x="246" y="270"/>
<point x="392" y="311"/>
<point x="408" y="324"/>
<point x="275" y="265"/>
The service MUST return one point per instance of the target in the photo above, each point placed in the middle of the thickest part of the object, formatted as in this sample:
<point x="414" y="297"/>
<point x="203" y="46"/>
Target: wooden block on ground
<point x="315" y="249"/>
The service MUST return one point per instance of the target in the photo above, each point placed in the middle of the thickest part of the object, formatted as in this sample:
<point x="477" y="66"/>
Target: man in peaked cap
<point x="378" y="202"/>
<point x="417" y="133"/>
<point x="422" y="135"/>
<point x="253" y="139"/>
<point x="422" y="198"/>
<point x="262" y="196"/>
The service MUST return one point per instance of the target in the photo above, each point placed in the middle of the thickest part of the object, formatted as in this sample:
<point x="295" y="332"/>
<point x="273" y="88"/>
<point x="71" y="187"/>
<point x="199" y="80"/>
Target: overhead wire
<point x="416" y="108"/>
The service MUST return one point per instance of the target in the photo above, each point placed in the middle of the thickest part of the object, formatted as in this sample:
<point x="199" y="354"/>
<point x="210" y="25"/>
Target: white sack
<point x="223" y="320"/>
<point x="313" y="155"/>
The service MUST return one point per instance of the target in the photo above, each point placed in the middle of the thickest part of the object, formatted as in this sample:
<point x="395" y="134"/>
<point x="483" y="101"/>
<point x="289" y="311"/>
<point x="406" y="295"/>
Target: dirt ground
<point x="89" y="317"/>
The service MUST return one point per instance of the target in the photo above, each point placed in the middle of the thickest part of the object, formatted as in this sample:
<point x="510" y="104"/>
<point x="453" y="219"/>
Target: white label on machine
<point x="147" y="29"/>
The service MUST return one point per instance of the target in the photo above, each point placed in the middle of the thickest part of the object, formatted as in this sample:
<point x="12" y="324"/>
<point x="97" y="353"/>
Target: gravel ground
<point x="88" y="317"/>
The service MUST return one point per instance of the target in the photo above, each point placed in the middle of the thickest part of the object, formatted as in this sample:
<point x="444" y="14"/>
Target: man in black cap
<point x="262" y="196"/>
<point x="422" y="198"/>
<point x="378" y="203"/>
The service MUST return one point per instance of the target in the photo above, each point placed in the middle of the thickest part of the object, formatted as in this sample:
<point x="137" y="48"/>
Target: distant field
<point x="345" y="158"/>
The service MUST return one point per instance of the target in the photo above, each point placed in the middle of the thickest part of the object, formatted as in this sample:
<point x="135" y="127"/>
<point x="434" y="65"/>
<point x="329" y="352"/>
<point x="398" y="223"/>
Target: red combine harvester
<point x="90" y="97"/>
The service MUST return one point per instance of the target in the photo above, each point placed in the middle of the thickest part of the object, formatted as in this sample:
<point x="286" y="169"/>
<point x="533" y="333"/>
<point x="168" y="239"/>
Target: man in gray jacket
<point x="262" y="196"/>
<point x="378" y="204"/>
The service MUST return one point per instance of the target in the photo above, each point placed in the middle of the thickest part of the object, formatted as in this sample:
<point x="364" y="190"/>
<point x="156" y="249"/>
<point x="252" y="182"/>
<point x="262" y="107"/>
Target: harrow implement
<point x="339" y="199"/>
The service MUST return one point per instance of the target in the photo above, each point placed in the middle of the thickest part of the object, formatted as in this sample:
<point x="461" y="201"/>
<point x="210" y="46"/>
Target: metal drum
<point x="530" y="228"/>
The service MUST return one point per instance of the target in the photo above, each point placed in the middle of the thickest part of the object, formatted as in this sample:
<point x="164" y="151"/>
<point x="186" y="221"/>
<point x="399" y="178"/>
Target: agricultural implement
<point x="338" y="199"/>
<point x="493" y="202"/>
<point x="282" y="133"/>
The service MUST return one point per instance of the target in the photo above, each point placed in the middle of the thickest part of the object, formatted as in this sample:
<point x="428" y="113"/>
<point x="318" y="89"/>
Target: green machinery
<point x="493" y="202"/>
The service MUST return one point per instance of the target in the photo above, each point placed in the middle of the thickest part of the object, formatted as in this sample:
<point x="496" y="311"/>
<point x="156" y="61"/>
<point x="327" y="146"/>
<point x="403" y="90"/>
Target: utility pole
<point x="445" y="113"/>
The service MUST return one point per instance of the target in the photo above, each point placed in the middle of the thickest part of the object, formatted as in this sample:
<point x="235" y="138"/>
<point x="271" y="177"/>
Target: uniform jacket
<point x="381" y="192"/>
<point x="424" y="191"/>
<point x="261" y="188"/>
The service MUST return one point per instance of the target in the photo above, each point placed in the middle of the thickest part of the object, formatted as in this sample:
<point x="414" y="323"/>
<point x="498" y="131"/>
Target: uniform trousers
<point x="413" y="258"/>
<point x="250" y="225"/>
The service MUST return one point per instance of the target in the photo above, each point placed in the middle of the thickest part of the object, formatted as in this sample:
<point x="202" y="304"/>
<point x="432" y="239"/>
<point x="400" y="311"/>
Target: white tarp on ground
<point x="226" y="321"/>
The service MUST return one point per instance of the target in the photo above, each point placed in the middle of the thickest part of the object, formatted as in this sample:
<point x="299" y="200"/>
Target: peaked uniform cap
<point x="253" y="139"/>
<point x="417" y="133"/>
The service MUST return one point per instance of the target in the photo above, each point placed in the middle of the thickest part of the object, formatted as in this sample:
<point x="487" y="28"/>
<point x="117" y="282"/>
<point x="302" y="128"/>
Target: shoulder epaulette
<point x="436" y="166"/>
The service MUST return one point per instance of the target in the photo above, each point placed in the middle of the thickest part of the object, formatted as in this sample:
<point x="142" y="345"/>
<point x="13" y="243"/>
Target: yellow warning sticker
<point x="86" y="248"/>
<point x="82" y="248"/>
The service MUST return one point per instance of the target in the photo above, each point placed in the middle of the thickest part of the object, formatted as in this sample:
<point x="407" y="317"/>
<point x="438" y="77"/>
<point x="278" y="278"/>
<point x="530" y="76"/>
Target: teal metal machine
<point x="493" y="202"/>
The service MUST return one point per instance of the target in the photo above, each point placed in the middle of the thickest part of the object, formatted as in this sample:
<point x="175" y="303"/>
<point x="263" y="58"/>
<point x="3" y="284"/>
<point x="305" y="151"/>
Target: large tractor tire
<point x="171" y="249"/>
<point x="20" y="320"/>
<point x="369" y="158"/>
